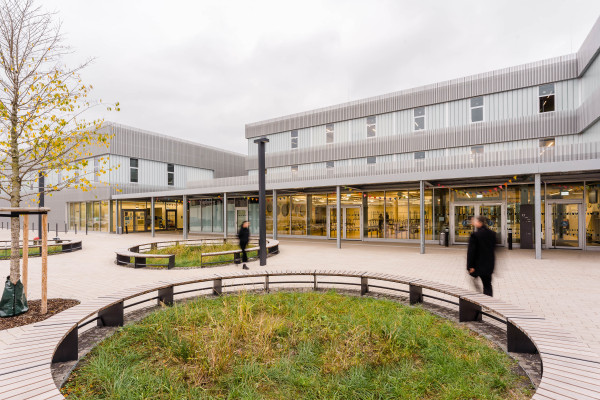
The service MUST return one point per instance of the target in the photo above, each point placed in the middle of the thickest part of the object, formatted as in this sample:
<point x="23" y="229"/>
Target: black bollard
<point x="509" y="239"/>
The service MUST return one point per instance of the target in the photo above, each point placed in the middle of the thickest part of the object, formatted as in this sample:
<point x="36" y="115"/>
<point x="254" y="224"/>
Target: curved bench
<point x="66" y="246"/>
<point x="140" y="254"/>
<point x="570" y="369"/>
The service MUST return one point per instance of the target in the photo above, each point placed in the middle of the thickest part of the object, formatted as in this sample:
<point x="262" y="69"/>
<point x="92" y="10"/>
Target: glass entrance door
<point x="351" y="223"/>
<point x="562" y="225"/>
<point x="171" y="219"/>
<point x="240" y="217"/>
<point x="332" y="222"/>
<point x="140" y="221"/>
<point x="493" y="214"/>
<point x="128" y="221"/>
<point x="462" y="222"/>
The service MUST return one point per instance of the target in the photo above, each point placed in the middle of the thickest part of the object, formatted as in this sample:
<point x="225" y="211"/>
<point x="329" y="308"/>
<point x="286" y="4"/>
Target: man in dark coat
<point x="244" y="237"/>
<point x="480" y="255"/>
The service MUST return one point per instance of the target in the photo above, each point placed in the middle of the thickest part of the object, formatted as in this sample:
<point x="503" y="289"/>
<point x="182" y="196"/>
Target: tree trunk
<point x="15" y="270"/>
<point x="15" y="195"/>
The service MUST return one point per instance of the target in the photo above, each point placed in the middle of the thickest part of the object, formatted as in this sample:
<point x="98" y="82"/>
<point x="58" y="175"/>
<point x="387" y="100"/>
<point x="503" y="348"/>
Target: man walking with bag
<point x="480" y="254"/>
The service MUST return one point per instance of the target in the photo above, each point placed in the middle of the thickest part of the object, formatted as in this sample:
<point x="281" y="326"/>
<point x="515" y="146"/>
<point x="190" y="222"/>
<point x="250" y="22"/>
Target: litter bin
<point x="444" y="237"/>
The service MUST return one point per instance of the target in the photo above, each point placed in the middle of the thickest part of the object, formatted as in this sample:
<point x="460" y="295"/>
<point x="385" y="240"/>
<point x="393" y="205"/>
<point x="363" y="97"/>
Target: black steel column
<point x="262" y="201"/>
<point x="41" y="202"/>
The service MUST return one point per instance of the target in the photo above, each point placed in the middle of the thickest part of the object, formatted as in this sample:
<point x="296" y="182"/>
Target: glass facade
<point x="570" y="213"/>
<point x="592" y="216"/>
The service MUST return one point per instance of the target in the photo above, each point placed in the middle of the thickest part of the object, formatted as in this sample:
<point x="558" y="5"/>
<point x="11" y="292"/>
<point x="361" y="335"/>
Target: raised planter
<point x="138" y="256"/>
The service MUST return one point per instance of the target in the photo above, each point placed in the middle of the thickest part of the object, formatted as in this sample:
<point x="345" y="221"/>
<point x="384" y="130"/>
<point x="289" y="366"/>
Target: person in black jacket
<point x="244" y="237"/>
<point x="480" y="254"/>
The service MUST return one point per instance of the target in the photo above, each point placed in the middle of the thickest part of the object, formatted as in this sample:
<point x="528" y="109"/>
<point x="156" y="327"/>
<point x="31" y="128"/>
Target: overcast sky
<point x="200" y="70"/>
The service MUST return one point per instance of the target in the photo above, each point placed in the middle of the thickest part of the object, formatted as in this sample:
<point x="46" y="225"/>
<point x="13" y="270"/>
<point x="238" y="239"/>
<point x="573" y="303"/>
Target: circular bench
<point x="140" y="256"/>
<point x="66" y="246"/>
<point x="570" y="369"/>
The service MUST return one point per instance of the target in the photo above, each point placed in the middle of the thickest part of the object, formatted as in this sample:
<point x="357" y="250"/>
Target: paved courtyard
<point x="564" y="286"/>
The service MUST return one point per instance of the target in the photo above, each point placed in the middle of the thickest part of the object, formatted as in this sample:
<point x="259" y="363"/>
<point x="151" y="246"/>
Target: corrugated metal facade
<point x="137" y="143"/>
<point x="522" y="76"/>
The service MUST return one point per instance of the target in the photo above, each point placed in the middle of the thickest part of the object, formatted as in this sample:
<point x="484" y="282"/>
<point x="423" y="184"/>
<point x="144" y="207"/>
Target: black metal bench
<point x="140" y="260"/>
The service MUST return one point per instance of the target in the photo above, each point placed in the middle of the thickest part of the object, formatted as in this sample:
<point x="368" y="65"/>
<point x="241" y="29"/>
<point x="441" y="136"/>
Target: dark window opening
<point x="294" y="139"/>
<point x="170" y="174"/>
<point x="546" y="98"/>
<point x="371" y="160"/>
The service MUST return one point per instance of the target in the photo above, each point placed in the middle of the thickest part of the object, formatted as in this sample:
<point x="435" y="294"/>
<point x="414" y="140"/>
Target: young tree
<point x="41" y="103"/>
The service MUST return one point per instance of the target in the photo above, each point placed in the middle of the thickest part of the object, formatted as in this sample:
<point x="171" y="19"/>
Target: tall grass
<point x="295" y="345"/>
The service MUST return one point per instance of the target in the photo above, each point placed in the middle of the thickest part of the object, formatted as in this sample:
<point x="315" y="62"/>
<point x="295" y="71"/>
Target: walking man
<point x="480" y="254"/>
<point x="244" y="237"/>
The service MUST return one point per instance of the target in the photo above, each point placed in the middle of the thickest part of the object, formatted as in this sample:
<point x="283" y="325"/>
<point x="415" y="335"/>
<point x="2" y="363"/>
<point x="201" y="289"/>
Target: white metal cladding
<point x="589" y="49"/>
<point x="532" y="127"/>
<point x="153" y="173"/>
<point x="533" y="74"/>
<point x="497" y="106"/>
<point x="590" y="81"/>
<point x="562" y="158"/>
<point x="137" y="143"/>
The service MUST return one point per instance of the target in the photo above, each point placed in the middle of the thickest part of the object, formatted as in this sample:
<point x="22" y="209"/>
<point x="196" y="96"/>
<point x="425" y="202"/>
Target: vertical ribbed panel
<point x="537" y="126"/>
<point x="137" y="143"/>
<point x="551" y="70"/>
<point x="589" y="49"/>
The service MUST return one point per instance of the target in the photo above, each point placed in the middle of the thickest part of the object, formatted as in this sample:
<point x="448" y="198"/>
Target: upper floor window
<point x="330" y="164"/>
<point x="419" y="155"/>
<point x="371" y="126"/>
<point x="294" y="139"/>
<point x="547" y="142"/>
<point x="477" y="109"/>
<point x="329" y="133"/>
<point x="133" y="170"/>
<point x="170" y="174"/>
<point x="546" y="98"/>
<point x="419" y="117"/>
<point x="96" y="170"/>
<point x="294" y="168"/>
<point x="371" y="160"/>
<point x="477" y="150"/>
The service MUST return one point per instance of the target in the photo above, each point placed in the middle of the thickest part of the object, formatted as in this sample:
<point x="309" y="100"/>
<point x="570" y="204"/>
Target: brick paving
<point x="564" y="286"/>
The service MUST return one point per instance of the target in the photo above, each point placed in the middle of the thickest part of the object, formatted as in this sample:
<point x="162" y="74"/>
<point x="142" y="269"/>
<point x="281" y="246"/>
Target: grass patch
<point x="295" y="345"/>
<point x="32" y="252"/>
<point x="190" y="256"/>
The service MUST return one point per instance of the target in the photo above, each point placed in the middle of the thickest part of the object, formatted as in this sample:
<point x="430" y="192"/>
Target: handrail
<point x="525" y="332"/>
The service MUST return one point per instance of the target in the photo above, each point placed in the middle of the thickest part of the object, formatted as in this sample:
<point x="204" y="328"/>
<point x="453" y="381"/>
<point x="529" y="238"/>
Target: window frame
<point x="419" y="153"/>
<point x="294" y="139"/>
<point x="472" y="108"/>
<point x="371" y="160"/>
<point x="372" y="125"/>
<point x="135" y="168"/>
<point x="415" y="116"/>
<point x="294" y="168"/>
<point x="96" y="169"/>
<point x="329" y="164"/>
<point x="478" y="147"/>
<point x="329" y="133"/>
<point x="546" y="96"/>
<point x="170" y="175"/>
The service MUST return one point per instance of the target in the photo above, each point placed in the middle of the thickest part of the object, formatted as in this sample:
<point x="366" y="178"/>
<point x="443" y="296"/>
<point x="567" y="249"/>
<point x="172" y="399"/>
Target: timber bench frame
<point x="570" y="369"/>
<point x="140" y="252"/>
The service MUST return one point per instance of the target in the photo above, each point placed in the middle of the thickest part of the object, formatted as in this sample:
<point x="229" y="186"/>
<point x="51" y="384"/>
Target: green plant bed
<point x="33" y="252"/>
<point x="309" y="345"/>
<point x="189" y="256"/>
